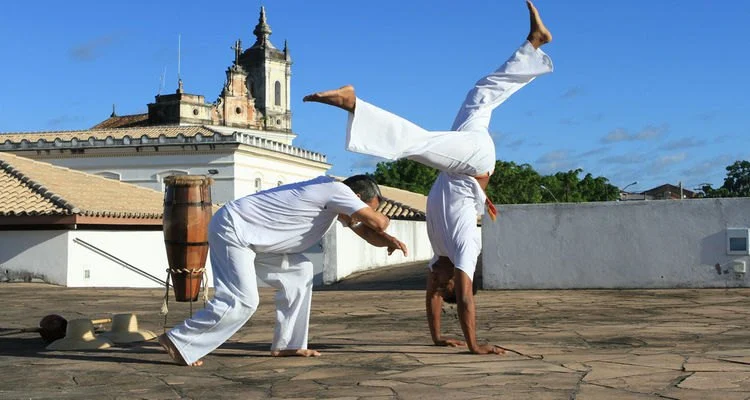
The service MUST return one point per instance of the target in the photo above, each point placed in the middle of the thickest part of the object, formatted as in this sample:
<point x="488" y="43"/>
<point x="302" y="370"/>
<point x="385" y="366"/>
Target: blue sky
<point x="647" y="91"/>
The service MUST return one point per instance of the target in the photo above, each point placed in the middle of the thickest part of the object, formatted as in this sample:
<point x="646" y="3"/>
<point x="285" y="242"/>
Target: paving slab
<point x="371" y="330"/>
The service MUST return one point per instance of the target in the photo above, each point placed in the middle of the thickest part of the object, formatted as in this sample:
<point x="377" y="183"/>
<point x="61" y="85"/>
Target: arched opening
<point x="277" y="93"/>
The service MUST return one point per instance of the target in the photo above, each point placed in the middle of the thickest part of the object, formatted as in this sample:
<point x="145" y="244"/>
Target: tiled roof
<point x="169" y="131"/>
<point x="402" y="204"/>
<point x="29" y="188"/>
<point x="672" y="189"/>
<point x="124" y="121"/>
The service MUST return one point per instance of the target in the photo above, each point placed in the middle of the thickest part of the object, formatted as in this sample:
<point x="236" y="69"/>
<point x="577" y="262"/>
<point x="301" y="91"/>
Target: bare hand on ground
<point x="450" y="343"/>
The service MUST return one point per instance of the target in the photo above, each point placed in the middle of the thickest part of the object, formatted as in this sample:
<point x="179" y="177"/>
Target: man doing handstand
<point x="466" y="158"/>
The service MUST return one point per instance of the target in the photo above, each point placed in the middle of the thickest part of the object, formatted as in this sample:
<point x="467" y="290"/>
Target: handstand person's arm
<point x="467" y="315"/>
<point x="434" y="306"/>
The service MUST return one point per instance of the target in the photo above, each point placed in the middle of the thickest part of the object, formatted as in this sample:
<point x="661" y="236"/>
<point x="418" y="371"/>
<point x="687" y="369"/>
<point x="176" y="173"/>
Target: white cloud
<point x="617" y="135"/>
<point x="554" y="156"/>
<point x="667" y="161"/>
<point x="651" y="132"/>
<point x="594" y="151"/>
<point x="683" y="143"/>
<point x="555" y="161"/>
<point x="647" y="133"/>
<point x="631" y="158"/>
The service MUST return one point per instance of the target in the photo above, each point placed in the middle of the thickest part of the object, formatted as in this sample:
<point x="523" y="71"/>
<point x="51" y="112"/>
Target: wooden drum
<point x="187" y="212"/>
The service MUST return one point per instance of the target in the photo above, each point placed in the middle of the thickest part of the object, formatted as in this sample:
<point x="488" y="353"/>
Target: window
<point x="277" y="92"/>
<point x="163" y="174"/>
<point x="257" y="185"/>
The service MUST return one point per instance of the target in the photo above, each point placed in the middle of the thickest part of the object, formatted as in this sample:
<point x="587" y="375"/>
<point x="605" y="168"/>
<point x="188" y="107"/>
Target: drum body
<point x="187" y="212"/>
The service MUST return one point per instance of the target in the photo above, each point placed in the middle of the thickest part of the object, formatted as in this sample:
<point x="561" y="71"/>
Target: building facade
<point x="244" y="139"/>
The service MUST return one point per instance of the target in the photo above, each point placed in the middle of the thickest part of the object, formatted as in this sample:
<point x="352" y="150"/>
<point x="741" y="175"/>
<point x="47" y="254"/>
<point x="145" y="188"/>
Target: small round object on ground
<point x="52" y="327"/>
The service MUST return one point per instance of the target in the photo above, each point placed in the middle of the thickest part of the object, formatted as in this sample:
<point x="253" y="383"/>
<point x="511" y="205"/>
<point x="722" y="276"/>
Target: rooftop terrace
<point x="582" y="344"/>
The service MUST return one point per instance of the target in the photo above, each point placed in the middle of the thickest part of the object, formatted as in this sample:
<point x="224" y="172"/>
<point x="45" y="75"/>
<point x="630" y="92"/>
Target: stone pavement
<point x="577" y="344"/>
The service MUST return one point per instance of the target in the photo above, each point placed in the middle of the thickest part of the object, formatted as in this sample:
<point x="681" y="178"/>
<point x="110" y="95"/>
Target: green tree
<point x="514" y="184"/>
<point x="567" y="187"/>
<point x="736" y="184"/>
<point x="405" y="174"/>
<point x="597" y="189"/>
<point x="510" y="184"/>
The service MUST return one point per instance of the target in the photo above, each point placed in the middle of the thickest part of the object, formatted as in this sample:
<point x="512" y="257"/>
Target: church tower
<point x="268" y="78"/>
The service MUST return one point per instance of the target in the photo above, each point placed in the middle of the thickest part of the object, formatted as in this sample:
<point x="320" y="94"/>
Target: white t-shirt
<point x="453" y="205"/>
<point x="291" y="218"/>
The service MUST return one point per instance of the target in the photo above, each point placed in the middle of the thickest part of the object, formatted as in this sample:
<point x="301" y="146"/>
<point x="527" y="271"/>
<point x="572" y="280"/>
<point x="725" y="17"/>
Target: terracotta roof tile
<point x="17" y="198"/>
<point x="402" y="204"/>
<point x="29" y="187"/>
<point x="124" y="121"/>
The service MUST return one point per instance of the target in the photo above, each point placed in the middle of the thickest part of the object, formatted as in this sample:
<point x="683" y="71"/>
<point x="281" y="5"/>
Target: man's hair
<point x="364" y="186"/>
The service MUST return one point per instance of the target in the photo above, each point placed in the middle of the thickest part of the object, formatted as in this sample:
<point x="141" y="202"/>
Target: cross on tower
<point x="237" y="51"/>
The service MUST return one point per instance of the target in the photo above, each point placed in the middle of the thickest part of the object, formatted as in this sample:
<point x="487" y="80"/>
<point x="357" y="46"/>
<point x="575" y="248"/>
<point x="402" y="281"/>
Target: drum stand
<point x="165" y="303"/>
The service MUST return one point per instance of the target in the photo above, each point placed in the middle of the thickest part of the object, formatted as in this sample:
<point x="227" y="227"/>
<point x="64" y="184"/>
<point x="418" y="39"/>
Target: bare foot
<point x="173" y="353"/>
<point x="295" y="353"/>
<point x="538" y="33"/>
<point x="342" y="97"/>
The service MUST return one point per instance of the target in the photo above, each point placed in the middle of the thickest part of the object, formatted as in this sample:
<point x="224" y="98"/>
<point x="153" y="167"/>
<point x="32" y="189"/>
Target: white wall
<point x="346" y="253"/>
<point x="149" y="170"/>
<point x="67" y="258"/>
<point x="143" y="250"/>
<point x="638" y="244"/>
<point x="35" y="254"/>
<point x="248" y="166"/>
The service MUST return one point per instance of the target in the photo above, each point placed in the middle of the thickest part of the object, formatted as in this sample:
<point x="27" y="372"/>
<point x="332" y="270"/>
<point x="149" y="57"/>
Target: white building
<point x="62" y="222"/>
<point x="244" y="138"/>
<point x="75" y="229"/>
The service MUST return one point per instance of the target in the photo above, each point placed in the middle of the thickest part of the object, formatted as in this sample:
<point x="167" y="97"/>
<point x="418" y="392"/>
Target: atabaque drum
<point x="187" y="212"/>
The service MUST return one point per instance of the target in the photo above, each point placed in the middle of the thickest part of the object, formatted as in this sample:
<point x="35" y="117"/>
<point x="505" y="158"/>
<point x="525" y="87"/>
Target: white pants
<point x="236" y="295"/>
<point x="468" y="149"/>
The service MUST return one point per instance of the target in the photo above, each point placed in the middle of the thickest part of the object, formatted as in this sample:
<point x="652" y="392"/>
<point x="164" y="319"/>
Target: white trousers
<point x="468" y="148"/>
<point x="236" y="294"/>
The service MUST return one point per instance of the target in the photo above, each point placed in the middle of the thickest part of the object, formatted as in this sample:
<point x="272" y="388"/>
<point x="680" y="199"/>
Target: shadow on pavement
<point x="399" y="277"/>
<point x="35" y="348"/>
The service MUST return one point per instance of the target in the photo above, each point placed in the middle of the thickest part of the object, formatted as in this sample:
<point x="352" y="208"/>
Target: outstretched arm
<point x="377" y="238"/>
<point x="434" y="306"/>
<point x="369" y="217"/>
<point x="380" y="239"/>
<point x="467" y="314"/>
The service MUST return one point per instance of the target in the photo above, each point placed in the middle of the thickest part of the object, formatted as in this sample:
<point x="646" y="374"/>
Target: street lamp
<point x="550" y="192"/>
<point x="628" y="185"/>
